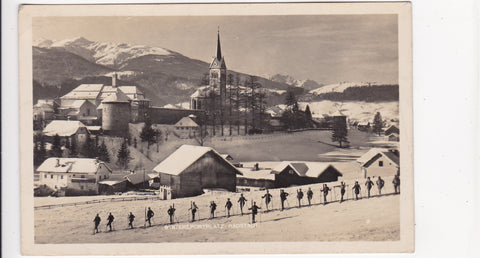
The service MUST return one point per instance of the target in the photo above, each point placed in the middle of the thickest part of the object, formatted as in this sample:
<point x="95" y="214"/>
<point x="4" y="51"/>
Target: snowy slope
<point x="103" y="53"/>
<point x="339" y="87"/>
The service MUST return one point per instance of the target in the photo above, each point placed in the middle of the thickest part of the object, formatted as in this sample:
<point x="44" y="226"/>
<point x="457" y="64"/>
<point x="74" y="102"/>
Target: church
<point x="216" y="89"/>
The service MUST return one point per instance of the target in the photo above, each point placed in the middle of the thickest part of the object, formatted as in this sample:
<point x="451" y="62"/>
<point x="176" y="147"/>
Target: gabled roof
<point x="84" y="91"/>
<point x="184" y="157"/>
<point x="370" y="154"/>
<point x="62" y="128"/>
<point x="186" y="121"/>
<point x="137" y="178"/>
<point x="309" y="169"/>
<point x="71" y="165"/>
<point x="389" y="155"/>
<point x="299" y="168"/>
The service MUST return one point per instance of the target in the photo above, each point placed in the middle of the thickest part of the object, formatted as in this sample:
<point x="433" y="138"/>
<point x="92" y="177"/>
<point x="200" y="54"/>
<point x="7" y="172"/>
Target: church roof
<point x="218" y="61"/>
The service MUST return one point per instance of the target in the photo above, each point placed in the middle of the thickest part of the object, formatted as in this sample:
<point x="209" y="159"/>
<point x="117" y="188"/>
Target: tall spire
<point x="219" y="50"/>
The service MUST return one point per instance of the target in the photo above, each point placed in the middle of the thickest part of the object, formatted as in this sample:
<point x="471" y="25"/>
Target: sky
<point x="324" y="48"/>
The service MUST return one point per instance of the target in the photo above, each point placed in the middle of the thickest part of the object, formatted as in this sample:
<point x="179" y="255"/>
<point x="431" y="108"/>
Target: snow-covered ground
<point x="354" y="110"/>
<point x="339" y="87"/>
<point x="373" y="219"/>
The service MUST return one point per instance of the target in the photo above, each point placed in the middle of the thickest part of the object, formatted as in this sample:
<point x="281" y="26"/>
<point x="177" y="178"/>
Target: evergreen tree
<point x="290" y="98"/>
<point x="377" y="123"/>
<point x="123" y="155"/>
<point x="339" y="133"/>
<point x="148" y="134"/>
<point x="103" y="153"/>
<point x="89" y="150"/>
<point x="308" y="113"/>
<point x="42" y="150"/>
<point x="56" y="150"/>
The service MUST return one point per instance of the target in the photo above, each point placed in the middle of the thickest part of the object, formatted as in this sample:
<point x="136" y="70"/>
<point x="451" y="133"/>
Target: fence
<point x="119" y="199"/>
<point x="264" y="136"/>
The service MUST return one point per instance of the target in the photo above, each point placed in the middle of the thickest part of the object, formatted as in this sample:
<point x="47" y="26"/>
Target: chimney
<point x="58" y="163"/>
<point x="114" y="80"/>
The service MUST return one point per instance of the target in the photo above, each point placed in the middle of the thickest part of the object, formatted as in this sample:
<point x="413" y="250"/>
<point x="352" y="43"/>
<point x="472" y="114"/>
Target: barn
<point x="191" y="169"/>
<point x="380" y="162"/>
<point x="393" y="137"/>
<point x="262" y="178"/>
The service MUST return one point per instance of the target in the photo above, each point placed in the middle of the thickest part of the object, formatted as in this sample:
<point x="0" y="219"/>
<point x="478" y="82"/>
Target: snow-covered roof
<point x="265" y="174"/>
<point x="375" y="152"/>
<point x="187" y="122"/>
<point x="137" y="178"/>
<point x="309" y="169"/>
<point x="94" y="127"/>
<point x="111" y="182"/>
<point x="62" y="128"/>
<point x="71" y="165"/>
<point x="370" y="154"/>
<point x="77" y="103"/>
<point x="117" y="96"/>
<point x="183" y="157"/>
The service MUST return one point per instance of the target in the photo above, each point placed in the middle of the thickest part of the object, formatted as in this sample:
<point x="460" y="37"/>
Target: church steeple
<point x="219" y="49"/>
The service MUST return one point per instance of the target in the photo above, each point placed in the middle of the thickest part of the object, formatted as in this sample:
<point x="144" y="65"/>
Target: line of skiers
<point x="254" y="208"/>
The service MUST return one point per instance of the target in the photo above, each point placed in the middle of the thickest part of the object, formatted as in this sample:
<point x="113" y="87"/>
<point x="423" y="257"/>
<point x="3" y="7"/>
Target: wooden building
<point x="302" y="173"/>
<point x="263" y="178"/>
<point x="191" y="169"/>
<point x="392" y="129"/>
<point x="379" y="162"/>
<point x="393" y="137"/>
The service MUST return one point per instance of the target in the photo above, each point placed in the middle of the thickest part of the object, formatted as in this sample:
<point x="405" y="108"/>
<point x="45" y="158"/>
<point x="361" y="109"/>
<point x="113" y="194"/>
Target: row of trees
<point x="243" y="104"/>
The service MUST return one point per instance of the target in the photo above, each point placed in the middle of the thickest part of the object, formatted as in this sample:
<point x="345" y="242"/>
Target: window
<point x="104" y="176"/>
<point x="45" y="176"/>
<point x="99" y="178"/>
<point x="81" y="187"/>
<point x="83" y="176"/>
<point x="61" y="177"/>
<point x="51" y="176"/>
<point x="380" y="163"/>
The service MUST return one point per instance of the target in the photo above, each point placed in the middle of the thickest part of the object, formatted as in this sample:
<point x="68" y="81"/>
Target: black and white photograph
<point x="237" y="125"/>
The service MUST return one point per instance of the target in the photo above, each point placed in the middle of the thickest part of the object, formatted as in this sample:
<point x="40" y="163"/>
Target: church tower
<point x="218" y="72"/>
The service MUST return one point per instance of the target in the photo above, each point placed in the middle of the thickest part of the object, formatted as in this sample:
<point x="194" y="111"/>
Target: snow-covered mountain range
<point x="307" y="84"/>
<point x="109" y="54"/>
<point x="340" y="87"/>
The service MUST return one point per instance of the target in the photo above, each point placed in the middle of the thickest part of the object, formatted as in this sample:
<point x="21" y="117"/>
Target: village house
<point x="392" y="129"/>
<point x="43" y="113"/>
<point x="67" y="130"/>
<point x="263" y="178"/>
<point x="379" y="162"/>
<point x="191" y="169"/>
<point x="290" y="173"/>
<point x="186" y="128"/>
<point x="393" y="137"/>
<point x="73" y="176"/>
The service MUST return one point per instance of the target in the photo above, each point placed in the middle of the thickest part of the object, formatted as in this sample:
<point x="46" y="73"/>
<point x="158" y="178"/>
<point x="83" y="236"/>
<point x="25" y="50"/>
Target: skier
<point x="254" y="209"/>
<point x="309" y="196"/>
<point x="357" y="188"/>
<point x="396" y="183"/>
<point x="299" y="197"/>
<point x="97" y="220"/>
<point x="283" y="197"/>
<point x="325" y="191"/>
<point x="342" y="190"/>
<point x="242" y="202"/>
<point x="268" y="198"/>
<point x="131" y="217"/>
<point x="171" y="213"/>
<point x="110" y="221"/>
<point x="149" y="216"/>
<point x="380" y="184"/>
<point x="228" y="206"/>
<point x="369" y="185"/>
<point x="213" y="207"/>
<point x="193" y="208"/>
